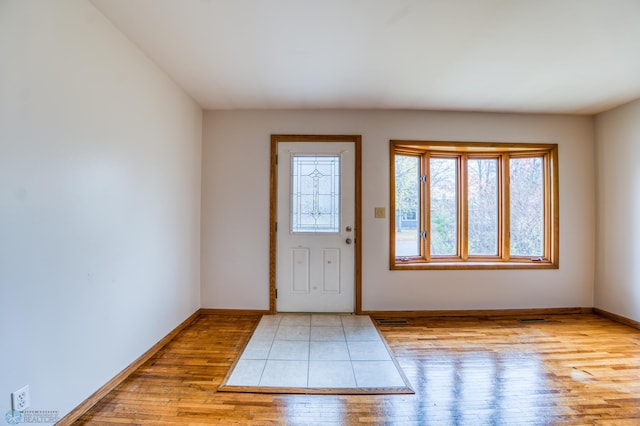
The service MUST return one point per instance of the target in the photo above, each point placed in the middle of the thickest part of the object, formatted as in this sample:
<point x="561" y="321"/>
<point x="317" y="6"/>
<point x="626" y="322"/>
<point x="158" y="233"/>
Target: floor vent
<point x="392" y="322"/>
<point x="532" y="320"/>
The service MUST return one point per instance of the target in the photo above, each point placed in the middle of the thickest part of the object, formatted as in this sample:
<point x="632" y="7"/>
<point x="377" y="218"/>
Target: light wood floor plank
<point x="569" y="369"/>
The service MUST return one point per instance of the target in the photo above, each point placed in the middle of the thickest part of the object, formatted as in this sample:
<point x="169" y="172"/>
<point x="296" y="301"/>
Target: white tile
<point x="356" y="320"/>
<point x="289" y="350"/>
<point x="270" y="320"/>
<point x="293" y="332"/>
<point x="331" y="374"/>
<point x="336" y="351"/>
<point x="247" y="373"/>
<point x="327" y="333"/>
<point x="285" y="374"/>
<point x="374" y="374"/>
<point x="257" y="349"/>
<point x="265" y="332"/>
<point x="296" y="319"/>
<point x="368" y="351"/>
<point x="361" y="333"/>
<point x="326" y="320"/>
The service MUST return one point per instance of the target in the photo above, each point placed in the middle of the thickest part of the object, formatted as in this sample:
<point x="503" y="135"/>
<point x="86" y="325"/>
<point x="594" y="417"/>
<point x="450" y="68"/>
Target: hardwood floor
<point x="569" y="369"/>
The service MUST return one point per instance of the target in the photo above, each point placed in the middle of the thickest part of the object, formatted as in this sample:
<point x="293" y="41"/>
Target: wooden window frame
<point x="464" y="151"/>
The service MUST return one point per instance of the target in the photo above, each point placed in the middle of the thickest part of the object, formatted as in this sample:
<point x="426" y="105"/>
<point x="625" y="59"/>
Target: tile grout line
<point x="353" y="371"/>
<point x="264" y="367"/>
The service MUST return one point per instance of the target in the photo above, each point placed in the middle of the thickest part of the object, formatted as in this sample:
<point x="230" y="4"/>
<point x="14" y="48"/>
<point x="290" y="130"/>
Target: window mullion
<point x="547" y="206"/>
<point x="554" y="219"/>
<point x="392" y="203"/>
<point x="506" y="213"/>
<point x="501" y="206"/>
<point x="463" y="205"/>
<point x="425" y="203"/>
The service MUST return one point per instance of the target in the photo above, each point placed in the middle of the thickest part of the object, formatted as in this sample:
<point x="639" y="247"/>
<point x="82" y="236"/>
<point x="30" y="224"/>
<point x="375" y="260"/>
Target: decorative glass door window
<point x="315" y="193"/>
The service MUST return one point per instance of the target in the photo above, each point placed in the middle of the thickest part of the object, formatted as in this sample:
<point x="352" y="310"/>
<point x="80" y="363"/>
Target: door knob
<point x="348" y="241"/>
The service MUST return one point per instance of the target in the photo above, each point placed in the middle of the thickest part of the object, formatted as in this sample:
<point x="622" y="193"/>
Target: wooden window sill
<point x="472" y="265"/>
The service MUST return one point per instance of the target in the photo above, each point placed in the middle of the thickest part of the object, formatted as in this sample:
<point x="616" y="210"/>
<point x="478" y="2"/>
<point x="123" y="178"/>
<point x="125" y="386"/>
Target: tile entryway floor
<point x="313" y="351"/>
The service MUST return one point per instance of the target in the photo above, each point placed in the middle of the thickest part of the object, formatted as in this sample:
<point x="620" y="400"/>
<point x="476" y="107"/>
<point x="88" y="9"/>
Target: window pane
<point x="482" y="176"/>
<point x="443" y="202"/>
<point x="527" y="206"/>
<point x="315" y="194"/>
<point x="407" y="205"/>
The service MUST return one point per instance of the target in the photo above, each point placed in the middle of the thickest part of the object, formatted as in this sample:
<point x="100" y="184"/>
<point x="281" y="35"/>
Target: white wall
<point x="99" y="202"/>
<point x="618" y="211"/>
<point x="235" y="231"/>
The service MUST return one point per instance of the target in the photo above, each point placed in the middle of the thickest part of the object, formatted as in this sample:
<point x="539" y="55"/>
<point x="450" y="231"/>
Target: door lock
<point x="348" y="241"/>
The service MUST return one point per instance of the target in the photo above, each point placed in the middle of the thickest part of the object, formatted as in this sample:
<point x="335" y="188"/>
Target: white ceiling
<point x="559" y="56"/>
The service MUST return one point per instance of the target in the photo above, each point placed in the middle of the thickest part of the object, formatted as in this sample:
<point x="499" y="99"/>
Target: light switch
<point x="379" y="213"/>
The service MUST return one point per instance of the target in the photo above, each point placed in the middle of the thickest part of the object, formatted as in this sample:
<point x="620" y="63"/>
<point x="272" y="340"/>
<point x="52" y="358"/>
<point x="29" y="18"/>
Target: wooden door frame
<point x="273" y="211"/>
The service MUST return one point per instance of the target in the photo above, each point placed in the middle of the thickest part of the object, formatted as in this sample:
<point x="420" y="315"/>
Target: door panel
<point x="316" y="227"/>
<point x="331" y="275"/>
<point x="301" y="275"/>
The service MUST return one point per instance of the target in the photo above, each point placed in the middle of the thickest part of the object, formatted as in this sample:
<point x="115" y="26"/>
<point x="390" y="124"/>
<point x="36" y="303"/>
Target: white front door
<point x="316" y="227"/>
